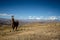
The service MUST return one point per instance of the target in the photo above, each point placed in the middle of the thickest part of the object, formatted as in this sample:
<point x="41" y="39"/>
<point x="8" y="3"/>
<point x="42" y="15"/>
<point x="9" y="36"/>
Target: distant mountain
<point x="4" y="21"/>
<point x="40" y="20"/>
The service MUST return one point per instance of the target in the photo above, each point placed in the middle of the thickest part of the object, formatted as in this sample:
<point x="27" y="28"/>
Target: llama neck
<point x="12" y="20"/>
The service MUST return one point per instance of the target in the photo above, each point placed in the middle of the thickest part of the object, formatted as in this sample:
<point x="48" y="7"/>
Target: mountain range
<point x="4" y="21"/>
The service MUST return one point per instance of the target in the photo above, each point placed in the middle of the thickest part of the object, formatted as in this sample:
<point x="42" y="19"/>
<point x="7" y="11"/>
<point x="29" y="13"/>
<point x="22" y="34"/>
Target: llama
<point x="14" y="23"/>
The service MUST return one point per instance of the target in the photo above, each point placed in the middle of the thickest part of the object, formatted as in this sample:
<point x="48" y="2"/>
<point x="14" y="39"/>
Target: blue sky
<point x="23" y="9"/>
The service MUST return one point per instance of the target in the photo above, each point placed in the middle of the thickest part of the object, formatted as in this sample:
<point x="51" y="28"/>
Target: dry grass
<point x="33" y="31"/>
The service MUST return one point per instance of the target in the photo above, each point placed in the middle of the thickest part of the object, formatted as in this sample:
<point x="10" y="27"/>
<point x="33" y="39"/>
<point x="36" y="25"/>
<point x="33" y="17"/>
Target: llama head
<point x="12" y="16"/>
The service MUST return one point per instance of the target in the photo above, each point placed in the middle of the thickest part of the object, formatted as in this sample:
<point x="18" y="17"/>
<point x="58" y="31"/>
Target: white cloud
<point x="35" y="17"/>
<point x="32" y="17"/>
<point x="5" y="14"/>
<point x="44" y="18"/>
<point x="52" y="17"/>
<point x="38" y="18"/>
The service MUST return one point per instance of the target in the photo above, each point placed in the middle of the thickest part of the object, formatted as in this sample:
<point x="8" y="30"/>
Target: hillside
<point x="32" y="31"/>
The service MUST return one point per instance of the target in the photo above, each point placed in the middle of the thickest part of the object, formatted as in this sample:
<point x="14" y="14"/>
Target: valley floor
<point x="30" y="32"/>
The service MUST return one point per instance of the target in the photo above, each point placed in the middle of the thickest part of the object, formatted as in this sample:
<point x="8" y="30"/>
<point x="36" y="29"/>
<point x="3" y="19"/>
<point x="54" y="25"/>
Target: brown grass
<point x="33" y="31"/>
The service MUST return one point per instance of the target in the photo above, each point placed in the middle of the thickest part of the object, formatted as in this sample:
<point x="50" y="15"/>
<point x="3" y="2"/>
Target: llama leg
<point x="13" y="27"/>
<point x="16" y="28"/>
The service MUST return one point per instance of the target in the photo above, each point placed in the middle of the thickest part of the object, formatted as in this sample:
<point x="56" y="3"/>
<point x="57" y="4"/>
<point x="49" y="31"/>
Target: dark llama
<point x="14" y="24"/>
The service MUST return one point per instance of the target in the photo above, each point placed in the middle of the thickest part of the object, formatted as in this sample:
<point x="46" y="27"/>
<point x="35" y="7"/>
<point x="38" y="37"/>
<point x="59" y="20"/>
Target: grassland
<point x="32" y="31"/>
